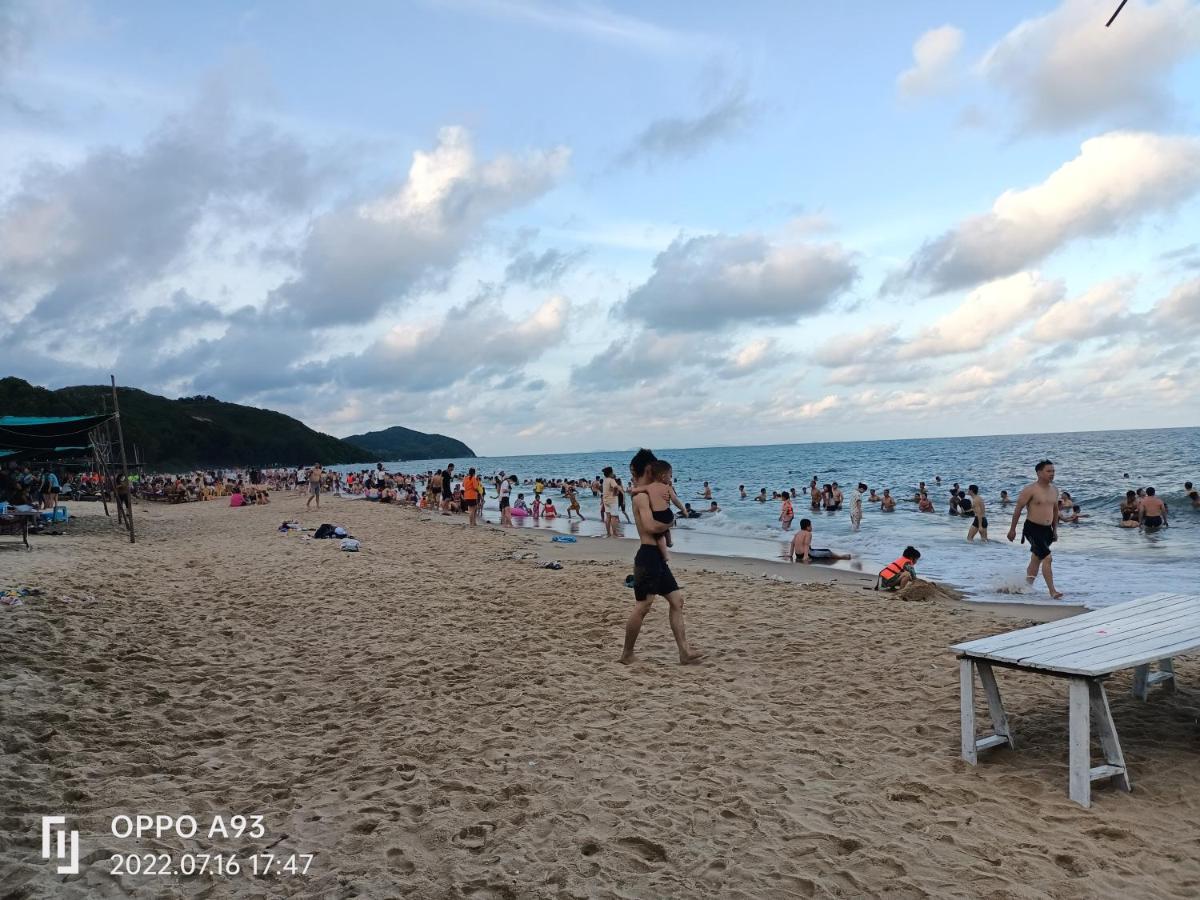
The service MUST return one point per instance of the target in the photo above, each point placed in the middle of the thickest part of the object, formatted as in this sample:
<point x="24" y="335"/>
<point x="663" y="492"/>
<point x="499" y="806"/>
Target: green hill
<point x="397" y="443"/>
<point x="191" y="432"/>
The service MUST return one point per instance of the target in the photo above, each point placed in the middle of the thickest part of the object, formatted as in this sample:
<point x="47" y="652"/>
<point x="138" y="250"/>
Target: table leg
<point x="1081" y="739"/>
<point x="1106" y="729"/>
<point x="995" y="705"/>
<point x="966" y="687"/>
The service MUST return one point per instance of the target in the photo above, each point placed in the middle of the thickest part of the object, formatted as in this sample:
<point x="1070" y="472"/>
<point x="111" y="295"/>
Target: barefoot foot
<point x="1056" y="595"/>
<point x="626" y="659"/>
<point x="692" y="656"/>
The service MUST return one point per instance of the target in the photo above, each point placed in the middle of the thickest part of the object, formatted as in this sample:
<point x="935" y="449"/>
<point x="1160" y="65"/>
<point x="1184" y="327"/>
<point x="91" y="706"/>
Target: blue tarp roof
<point x="10" y="421"/>
<point x="46" y="432"/>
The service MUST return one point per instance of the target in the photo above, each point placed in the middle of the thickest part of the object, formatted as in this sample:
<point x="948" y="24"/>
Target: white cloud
<point x="1179" y="311"/>
<point x="934" y="54"/>
<point x="1116" y="179"/>
<point x="429" y="357"/>
<point x="848" y="349"/>
<point x="634" y="359"/>
<point x="357" y="259"/>
<point x="1066" y="69"/>
<point x="758" y="354"/>
<point x="591" y="20"/>
<point x="1102" y="310"/>
<point x="681" y="137"/>
<point x="716" y="281"/>
<point x="988" y="312"/>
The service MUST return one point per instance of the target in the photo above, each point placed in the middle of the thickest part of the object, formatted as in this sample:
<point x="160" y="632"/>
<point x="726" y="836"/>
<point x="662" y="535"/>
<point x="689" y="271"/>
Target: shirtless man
<point x="1153" y="512"/>
<point x="707" y="495"/>
<point x="802" y="549"/>
<point x="651" y="575"/>
<point x="979" y="511"/>
<point x="314" y="485"/>
<point x="612" y="507"/>
<point x="1041" y="524"/>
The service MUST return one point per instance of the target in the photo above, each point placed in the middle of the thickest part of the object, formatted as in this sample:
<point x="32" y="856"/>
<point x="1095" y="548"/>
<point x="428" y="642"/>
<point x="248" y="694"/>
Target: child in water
<point x="661" y="495"/>
<point x="548" y="511"/>
<point x="786" y="513"/>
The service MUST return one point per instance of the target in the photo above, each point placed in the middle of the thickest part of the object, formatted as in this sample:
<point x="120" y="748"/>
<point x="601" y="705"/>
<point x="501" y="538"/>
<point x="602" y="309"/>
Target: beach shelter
<point x="45" y="438"/>
<point x="47" y="434"/>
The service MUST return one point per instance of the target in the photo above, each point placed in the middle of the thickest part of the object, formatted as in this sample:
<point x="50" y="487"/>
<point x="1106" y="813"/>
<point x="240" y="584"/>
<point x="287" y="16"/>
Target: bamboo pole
<point x="124" y="461"/>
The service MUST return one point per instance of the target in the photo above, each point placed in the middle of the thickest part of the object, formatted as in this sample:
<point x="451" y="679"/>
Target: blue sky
<point x="563" y="226"/>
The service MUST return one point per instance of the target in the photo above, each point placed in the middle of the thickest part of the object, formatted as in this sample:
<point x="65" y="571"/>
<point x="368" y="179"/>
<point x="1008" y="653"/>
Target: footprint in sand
<point x="474" y="837"/>
<point x="406" y="772"/>
<point x="647" y="850"/>
<point x="397" y="862"/>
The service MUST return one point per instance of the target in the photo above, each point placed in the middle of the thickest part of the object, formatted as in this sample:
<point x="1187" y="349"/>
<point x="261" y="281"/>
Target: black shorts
<point x="1040" y="538"/>
<point x="471" y="504"/>
<point x="1152" y="522"/>
<point x="504" y="503"/>
<point x="976" y="524"/>
<point x="651" y="574"/>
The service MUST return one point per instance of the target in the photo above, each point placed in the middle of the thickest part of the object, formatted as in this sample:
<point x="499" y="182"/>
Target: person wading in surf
<point x="1041" y="524"/>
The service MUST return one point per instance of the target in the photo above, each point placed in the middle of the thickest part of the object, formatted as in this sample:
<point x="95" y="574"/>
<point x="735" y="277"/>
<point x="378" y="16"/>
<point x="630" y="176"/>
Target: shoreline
<point x="598" y="549"/>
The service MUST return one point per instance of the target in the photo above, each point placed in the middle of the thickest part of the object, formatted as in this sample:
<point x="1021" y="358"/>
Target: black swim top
<point x="666" y="516"/>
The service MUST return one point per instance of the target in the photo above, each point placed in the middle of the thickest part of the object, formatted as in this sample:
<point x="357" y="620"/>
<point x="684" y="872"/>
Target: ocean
<point x="1096" y="563"/>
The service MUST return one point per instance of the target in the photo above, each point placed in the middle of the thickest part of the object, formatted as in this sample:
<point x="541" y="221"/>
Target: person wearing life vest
<point x="899" y="572"/>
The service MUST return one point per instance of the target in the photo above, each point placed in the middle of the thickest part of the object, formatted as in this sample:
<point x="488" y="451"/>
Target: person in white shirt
<point x="856" y="506"/>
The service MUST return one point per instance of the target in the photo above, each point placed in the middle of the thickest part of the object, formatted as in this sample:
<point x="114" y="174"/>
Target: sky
<point x="567" y="226"/>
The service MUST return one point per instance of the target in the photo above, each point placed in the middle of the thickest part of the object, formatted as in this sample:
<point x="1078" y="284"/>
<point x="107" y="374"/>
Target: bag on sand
<point x="350" y="545"/>
<point x="325" y="531"/>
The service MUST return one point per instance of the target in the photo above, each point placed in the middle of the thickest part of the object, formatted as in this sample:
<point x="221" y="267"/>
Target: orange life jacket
<point x="894" y="568"/>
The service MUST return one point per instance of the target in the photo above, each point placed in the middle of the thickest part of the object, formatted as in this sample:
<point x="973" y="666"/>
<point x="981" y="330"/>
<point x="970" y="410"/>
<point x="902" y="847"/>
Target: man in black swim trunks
<point x="651" y="574"/>
<point x="979" y="511"/>
<point x="447" y="485"/>
<point x="1041" y="524"/>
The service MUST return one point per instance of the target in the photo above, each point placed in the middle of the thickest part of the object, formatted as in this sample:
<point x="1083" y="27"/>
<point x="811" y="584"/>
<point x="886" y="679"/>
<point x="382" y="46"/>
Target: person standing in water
<point x="856" y="506"/>
<point x="651" y="575"/>
<point x="1041" y="524"/>
<point x="979" y="523"/>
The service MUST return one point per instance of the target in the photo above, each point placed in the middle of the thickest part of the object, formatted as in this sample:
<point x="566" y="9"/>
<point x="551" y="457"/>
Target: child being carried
<point x="662" y="495"/>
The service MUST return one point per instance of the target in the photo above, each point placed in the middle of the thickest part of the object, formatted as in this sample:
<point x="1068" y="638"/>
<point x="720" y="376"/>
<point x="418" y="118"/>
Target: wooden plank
<point x="1081" y="739"/>
<point x="1099" y="772"/>
<point x="1086" y="620"/>
<point x="1108" y="653"/>
<point x="1097" y="632"/>
<point x="995" y="705"/>
<point x="1115" y="663"/>
<point x="1132" y="643"/>
<point x="966" y="698"/>
<point x="1106" y="729"/>
<point x="992" y="740"/>
<point x="1101" y="632"/>
<point x="1167" y="667"/>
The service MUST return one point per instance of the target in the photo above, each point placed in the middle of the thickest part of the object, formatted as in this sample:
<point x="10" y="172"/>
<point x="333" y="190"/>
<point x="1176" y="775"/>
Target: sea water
<point x="1096" y="563"/>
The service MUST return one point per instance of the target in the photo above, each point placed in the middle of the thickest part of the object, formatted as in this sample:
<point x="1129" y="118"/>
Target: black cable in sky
<point x="1117" y="13"/>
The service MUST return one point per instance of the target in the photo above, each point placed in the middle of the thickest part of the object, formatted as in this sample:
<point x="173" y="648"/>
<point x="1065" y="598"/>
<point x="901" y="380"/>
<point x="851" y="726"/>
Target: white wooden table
<point x="1085" y="650"/>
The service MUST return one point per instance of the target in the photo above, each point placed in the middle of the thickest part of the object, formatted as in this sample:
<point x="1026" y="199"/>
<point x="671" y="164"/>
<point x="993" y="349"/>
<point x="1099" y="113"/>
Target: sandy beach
<point x="436" y="716"/>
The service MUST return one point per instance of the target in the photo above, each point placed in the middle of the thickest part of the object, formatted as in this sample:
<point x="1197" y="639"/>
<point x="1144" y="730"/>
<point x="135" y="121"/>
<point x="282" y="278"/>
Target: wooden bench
<point x="1084" y="649"/>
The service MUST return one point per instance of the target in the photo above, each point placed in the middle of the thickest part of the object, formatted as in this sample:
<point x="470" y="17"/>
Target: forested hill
<point x="192" y="432"/>
<point x="398" y="443"/>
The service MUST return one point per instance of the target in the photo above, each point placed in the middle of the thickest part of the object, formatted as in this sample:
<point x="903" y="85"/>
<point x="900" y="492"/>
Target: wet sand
<point x="436" y="716"/>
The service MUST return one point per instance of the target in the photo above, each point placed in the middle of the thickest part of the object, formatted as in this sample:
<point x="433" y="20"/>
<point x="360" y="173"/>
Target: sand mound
<point x="920" y="591"/>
